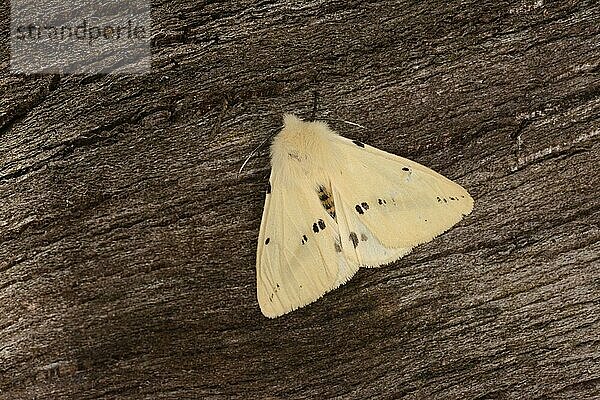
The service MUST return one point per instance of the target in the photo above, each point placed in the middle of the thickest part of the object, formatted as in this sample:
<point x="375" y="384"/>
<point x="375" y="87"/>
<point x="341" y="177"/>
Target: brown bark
<point x="127" y="240"/>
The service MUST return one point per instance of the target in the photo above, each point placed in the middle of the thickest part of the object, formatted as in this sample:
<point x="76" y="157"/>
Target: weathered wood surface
<point x="127" y="241"/>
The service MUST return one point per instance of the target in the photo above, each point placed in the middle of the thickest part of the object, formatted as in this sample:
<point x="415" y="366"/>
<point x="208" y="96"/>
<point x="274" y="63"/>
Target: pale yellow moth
<point x="334" y="205"/>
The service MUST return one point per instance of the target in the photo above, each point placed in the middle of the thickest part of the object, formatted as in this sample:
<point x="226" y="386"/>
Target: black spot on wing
<point x="405" y="169"/>
<point x="275" y="290"/>
<point x="326" y="198"/>
<point x="338" y="248"/>
<point x="321" y="224"/>
<point x="359" y="209"/>
<point x="363" y="237"/>
<point x="267" y="241"/>
<point x="354" y="239"/>
<point x="315" y="228"/>
<point x="365" y="205"/>
<point x="359" y="144"/>
<point x="304" y="239"/>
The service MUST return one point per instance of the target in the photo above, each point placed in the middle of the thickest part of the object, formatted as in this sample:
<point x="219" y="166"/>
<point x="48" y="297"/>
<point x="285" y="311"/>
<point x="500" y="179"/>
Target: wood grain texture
<point x="127" y="239"/>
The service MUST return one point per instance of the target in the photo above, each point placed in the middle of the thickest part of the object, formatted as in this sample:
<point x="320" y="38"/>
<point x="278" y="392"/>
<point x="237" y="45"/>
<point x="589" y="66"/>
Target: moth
<point x="334" y="205"/>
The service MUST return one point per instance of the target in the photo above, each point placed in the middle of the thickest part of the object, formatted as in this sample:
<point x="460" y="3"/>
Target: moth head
<point x="293" y="125"/>
<point x="295" y="129"/>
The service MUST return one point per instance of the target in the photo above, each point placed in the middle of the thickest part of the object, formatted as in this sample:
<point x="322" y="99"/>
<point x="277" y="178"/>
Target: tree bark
<point x="127" y="238"/>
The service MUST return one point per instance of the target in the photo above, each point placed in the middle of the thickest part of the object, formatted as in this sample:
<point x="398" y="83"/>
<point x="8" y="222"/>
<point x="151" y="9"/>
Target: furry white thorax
<point x="304" y="146"/>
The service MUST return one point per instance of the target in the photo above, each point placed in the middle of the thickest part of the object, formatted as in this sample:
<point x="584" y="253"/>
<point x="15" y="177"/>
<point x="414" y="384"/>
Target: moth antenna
<point x="257" y="149"/>
<point x="352" y="123"/>
<point x="344" y="121"/>
<point x="315" y="105"/>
